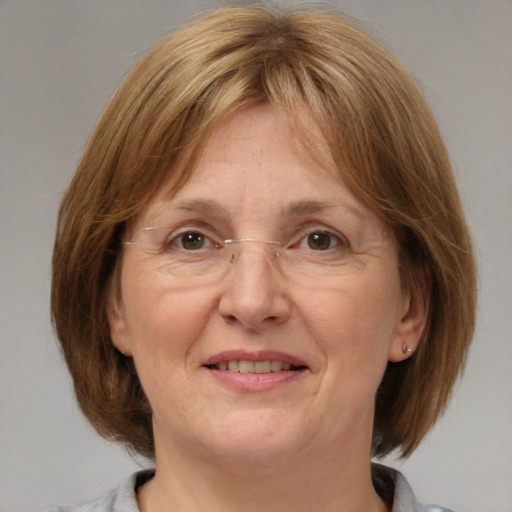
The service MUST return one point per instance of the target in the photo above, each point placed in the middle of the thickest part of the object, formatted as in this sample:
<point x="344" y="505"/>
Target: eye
<point x="192" y="241"/>
<point x="321" y="241"/>
<point x="189" y="241"/>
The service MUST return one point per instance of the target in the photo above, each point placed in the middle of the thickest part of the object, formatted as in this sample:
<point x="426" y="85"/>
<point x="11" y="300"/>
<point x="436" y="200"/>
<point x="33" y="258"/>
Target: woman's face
<point x="313" y="327"/>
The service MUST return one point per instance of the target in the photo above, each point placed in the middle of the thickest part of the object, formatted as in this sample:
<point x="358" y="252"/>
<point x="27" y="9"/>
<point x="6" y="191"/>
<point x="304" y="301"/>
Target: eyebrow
<point x="205" y="206"/>
<point x="295" y="208"/>
<point x="308" y="207"/>
<point x="198" y="206"/>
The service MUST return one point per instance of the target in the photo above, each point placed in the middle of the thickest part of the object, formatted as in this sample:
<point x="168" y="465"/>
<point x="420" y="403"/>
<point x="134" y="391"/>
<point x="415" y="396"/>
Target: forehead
<point x="256" y="158"/>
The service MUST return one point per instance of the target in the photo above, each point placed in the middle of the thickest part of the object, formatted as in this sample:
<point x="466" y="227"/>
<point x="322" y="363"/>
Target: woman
<point x="262" y="273"/>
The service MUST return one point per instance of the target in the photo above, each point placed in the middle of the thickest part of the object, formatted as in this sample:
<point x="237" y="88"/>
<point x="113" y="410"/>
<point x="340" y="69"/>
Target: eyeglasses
<point x="197" y="254"/>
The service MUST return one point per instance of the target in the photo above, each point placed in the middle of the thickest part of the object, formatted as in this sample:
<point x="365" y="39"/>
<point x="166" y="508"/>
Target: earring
<point x="406" y="349"/>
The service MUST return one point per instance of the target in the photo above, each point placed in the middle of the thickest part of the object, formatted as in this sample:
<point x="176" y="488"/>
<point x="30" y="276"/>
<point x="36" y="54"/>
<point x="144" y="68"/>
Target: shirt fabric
<point x="388" y="482"/>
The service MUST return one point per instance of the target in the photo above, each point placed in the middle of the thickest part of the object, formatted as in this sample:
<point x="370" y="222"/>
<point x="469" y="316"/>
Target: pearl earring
<point x="406" y="349"/>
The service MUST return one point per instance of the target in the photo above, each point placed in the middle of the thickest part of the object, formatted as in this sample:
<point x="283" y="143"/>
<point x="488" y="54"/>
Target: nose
<point x="253" y="294"/>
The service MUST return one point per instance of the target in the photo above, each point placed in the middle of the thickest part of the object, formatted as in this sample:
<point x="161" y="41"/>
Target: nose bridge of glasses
<point x="252" y="245"/>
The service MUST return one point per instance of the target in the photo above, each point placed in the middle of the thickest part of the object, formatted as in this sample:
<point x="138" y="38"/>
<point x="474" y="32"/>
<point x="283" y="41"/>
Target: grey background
<point x="60" y="61"/>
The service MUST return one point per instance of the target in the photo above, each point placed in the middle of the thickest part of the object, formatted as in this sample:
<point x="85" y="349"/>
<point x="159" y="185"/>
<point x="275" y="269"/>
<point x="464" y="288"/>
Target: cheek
<point x="162" y="323"/>
<point x="353" y="323"/>
<point x="163" y="328"/>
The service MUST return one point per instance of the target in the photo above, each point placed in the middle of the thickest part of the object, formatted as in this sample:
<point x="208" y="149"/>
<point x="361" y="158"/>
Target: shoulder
<point x="391" y="484"/>
<point x="122" y="499"/>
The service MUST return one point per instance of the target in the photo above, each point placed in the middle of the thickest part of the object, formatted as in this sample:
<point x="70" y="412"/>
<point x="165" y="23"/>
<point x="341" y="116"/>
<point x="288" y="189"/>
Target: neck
<point x="334" y="482"/>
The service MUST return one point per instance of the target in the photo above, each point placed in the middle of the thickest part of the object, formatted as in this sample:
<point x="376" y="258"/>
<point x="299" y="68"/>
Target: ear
<point x="411" y="321"/>
<point x="118" y="327"/>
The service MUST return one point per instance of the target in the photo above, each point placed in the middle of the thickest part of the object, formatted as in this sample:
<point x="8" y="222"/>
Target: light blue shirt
<point x="123" y="499"/>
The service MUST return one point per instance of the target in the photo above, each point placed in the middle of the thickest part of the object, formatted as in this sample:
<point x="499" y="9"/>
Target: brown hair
<point x="382" y="135"/>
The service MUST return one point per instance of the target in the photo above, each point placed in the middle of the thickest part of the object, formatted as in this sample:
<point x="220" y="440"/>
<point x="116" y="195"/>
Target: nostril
<point x="230" y="319"/>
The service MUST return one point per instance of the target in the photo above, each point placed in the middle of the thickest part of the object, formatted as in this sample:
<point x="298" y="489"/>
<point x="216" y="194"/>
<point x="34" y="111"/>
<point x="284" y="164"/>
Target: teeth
<point x="262" y="367"/>
<point x="246" y="367"/>
<point x="233" y="366"/>
<point x="253" y="366"/>
<point x="276" y="366"/>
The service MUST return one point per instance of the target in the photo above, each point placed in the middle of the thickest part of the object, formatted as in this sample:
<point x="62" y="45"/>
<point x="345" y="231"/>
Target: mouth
<point x="265" y="366"/>
<point x="263" y="361"/>
<point x="258" y="371"/>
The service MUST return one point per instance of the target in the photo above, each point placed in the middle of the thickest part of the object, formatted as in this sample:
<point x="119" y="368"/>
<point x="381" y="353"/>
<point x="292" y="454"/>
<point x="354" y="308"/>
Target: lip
<point x="255" y="381"/>
<point x="260" y="355"/>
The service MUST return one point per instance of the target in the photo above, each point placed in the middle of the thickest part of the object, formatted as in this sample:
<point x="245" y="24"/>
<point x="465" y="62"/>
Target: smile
<point x="243" y="366"/>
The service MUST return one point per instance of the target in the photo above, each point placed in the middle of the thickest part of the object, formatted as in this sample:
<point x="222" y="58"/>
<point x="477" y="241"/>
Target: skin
<point x="300" y="445"/>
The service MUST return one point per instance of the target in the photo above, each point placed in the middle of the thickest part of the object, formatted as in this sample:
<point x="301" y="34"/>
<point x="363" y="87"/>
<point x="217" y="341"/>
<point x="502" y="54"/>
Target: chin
<point x="258" y="438"/>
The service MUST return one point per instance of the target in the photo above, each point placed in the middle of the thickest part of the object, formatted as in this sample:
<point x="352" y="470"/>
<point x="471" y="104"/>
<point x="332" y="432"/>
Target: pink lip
<point x="255" y="381"/>
<point x="261" y="355"/>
